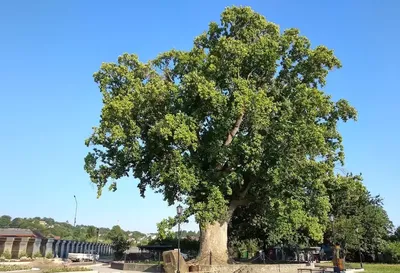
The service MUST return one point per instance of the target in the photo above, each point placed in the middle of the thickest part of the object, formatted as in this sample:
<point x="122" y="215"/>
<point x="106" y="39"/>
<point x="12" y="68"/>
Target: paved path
<point x="108" y="269"/>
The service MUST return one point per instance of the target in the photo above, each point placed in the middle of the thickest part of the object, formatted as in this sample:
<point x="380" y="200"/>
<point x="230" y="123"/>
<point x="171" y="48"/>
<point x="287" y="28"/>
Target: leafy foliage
<point x="5" y="221"/>
<point x="22" y="254"/>
<point x="237" y="247"/>
<point x="187" y="245"/>
<point x="6" y="254"/>
<point x="119" y="241"/>
<point x="396" y="235"/>
<point x="360" y="222"/>
<point x="91" y="233"/>
<point x="49" y="256"/>
<point x="37" y="255"/>
<point x="360" y="219"/>
<point x="392" y="249"/>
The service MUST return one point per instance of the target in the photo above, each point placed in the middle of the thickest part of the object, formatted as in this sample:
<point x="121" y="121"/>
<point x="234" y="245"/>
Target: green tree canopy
<point x="5" y="221"/>
<point x="91" y="233"/>
<point x="396" y="234"/>
<point x="228" y="123"/>
<point x="119" y="241"/>
<point x="360" y="219"/>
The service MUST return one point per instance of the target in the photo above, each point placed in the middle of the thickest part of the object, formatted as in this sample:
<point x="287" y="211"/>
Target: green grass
<point x="65" y="269"/>
<point x="374" y="268"/>
<point x="13" y="267"/>
<point x="379" y="268"/>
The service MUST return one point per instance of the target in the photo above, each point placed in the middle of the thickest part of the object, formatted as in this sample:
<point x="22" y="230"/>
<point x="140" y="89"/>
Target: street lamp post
<point x="332" y="219"/>
<point x="76" y="209"/>
<point x="359" y="248"/>
<point x="179" y="210"/>
<point x="97" y="235"/>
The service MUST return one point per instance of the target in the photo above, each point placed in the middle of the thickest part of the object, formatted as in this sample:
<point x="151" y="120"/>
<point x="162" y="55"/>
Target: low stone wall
<point x="137" y="267"/>
<point x="253" y="268"/>
<point x="119" y="266"/>
<point x="231" y="268"/>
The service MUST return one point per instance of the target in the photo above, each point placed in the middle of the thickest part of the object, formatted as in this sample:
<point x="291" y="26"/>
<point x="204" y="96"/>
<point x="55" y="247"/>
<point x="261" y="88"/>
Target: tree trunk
<point x="214" y="244"/>
<point x="214" y="241"/>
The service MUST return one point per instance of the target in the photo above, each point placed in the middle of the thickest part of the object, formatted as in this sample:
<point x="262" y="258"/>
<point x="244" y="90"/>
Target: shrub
<point x="7" y="254"/>
<point x="49" y="255"/>
<point x="22" y="254"/>
<point x="37" y="255"/>
<point x="392" y="251"/>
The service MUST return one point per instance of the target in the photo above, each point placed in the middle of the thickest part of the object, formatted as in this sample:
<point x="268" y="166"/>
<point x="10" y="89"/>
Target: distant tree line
<point x="48" y="227"/>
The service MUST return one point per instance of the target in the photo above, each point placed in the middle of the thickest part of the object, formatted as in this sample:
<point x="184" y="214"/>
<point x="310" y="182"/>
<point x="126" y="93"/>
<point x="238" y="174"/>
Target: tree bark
<point x="214" y="241"/>
<point x="213" y="244"/>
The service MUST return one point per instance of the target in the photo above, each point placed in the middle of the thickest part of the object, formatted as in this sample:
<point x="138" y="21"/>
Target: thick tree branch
<point x="234" y="130"/>
<point x="234" y="204"/>
<point x="228" y="141"/>
<point x="246" y="188"/>
<point x="237" y="203"/>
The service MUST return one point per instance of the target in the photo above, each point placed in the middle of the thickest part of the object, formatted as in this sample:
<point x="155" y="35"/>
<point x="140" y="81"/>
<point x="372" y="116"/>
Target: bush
<point x="49" y="255"/>
<point x="37" y="255"/>
<point x="392" y="252"/>
<point x="7" y="254"/>
<point x="22" y="254"/>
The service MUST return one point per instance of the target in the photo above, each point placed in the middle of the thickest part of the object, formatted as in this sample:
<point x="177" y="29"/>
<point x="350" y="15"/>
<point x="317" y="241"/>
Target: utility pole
<point x="179" y="211"/>
<point x="76" y="209"/>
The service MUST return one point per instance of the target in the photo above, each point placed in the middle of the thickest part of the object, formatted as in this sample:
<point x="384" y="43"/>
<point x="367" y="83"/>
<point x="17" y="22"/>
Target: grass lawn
<point x="13" y="267"/>
<point x="379" y="268"/>
<point x="375" y="268"/>
<point x="65" y="269"/>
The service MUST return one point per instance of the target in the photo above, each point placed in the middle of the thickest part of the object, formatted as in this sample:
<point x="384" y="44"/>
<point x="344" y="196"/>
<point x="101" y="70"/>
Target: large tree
<point x="226" y="124"/>
<point x="119" y="241"/>
<point x="360" y="219"/>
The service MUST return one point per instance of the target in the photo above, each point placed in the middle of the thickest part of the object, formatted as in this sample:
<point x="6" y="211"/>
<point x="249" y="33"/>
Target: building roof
<point x="19" y="232"/>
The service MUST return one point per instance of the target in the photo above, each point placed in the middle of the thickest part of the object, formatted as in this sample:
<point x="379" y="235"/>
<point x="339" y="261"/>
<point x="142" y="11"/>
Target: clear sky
<point x="49" y="102"/>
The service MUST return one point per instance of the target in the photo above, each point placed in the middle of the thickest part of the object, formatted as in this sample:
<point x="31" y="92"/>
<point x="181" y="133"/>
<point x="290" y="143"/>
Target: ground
<point x="369" y="268"/>
<point x="380" y="268"/>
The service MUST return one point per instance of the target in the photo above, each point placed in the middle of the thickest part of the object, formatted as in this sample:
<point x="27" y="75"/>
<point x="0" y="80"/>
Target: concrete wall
<point x="253" y="268"/>
<point x="55" y="248"/>
<point x="137" y="267"/>
<point x="232" y="268"/>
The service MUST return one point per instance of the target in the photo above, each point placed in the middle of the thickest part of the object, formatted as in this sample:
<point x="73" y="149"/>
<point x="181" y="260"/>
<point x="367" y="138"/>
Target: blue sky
<point x="49" y="102"/>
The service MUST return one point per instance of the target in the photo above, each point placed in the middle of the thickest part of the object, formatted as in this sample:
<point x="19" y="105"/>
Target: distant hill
<point x="48" y="227"/>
